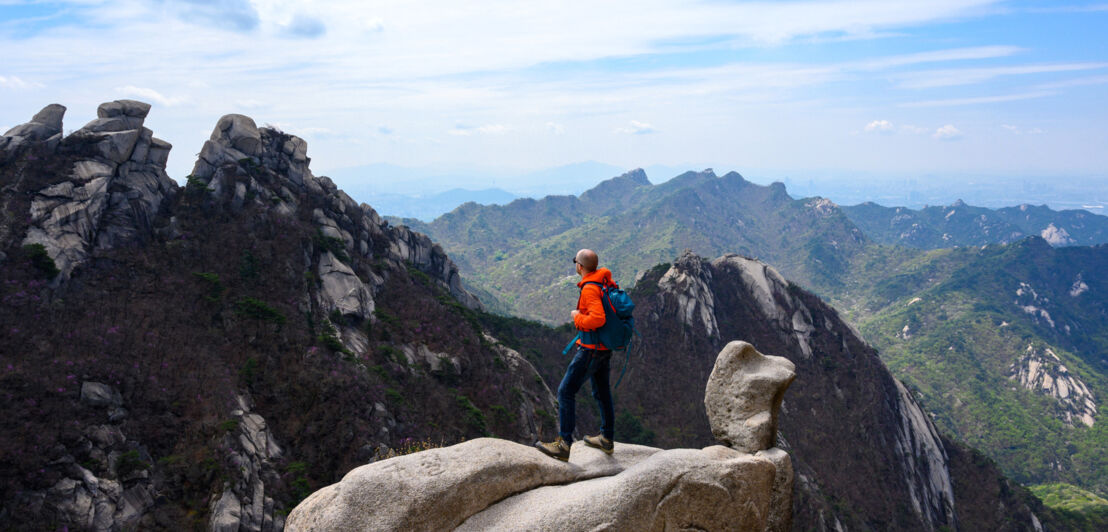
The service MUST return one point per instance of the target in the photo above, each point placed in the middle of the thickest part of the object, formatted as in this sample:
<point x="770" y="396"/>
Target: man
<point x="592" y="361"/>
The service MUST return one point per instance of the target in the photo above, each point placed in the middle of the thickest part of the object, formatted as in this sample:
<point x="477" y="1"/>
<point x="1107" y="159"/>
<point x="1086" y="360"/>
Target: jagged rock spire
<point x="111" y="194"/>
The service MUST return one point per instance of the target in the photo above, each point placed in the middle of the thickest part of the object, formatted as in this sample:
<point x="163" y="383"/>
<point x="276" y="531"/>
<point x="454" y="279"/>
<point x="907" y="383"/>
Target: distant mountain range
<point x="1008" y="345"/>
<point x="434" y="205"/>
<point x="1004" y="337"/>
<point x="963" y="225"/>
<point x="519" y="254"/>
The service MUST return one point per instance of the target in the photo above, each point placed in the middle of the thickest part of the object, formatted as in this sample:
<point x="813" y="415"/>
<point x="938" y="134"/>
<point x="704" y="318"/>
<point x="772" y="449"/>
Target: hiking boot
<point x="558" y="449"/>
<point x="600" y="442"/>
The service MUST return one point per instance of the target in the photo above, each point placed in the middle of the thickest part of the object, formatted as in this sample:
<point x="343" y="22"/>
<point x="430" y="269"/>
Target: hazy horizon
<point x="1002" y="93"/>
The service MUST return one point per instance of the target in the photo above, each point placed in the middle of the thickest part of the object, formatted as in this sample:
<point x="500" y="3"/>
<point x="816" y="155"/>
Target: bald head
<point x="588" y="260"/>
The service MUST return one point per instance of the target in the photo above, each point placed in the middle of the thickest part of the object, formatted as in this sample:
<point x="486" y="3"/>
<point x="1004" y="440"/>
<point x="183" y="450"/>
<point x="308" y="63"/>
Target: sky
<point x="878" y="88"/>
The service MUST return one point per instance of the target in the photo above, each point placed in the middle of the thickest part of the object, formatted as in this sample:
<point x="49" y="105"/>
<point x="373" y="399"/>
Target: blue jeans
<point x="593" y="365"/>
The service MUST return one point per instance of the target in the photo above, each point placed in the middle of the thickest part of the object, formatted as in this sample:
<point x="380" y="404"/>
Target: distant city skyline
<point x="1009" y="91"/>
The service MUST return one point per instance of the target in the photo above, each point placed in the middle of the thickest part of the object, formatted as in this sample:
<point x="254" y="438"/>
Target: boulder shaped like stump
<point x="744" y="394"/>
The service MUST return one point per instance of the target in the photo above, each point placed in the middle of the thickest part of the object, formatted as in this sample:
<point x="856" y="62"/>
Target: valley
<point x="1002" y="334"/>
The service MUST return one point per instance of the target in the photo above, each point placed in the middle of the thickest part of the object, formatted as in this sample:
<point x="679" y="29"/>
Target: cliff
<point x="204" y="356"/>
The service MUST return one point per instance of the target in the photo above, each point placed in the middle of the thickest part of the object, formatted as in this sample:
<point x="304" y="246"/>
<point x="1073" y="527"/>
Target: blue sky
<point x="875" y="88"/>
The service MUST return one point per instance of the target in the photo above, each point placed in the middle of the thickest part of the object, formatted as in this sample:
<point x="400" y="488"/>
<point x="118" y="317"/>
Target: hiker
<point x="592" y="361"/>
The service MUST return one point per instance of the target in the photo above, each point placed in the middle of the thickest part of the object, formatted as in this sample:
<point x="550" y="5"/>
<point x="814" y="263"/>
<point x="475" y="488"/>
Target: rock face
<point x="306" y="292"/>
<point x="46" y="125"/>
<point x="491" y="484"/>
<point x="107" y="485"/>
<point x="244" y="504"/>
<point x="850" y="419"/>
<point x="112" y="192"/>
<point x="243" y="164"/>
<point x="1041" y="371"/>
<point x="746" y="421"/>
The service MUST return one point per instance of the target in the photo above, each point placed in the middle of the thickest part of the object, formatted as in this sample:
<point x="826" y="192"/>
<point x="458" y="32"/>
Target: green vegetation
<point x="299" y="484"/>
<point x="329" y="243"/>
<point x="130" y="462"/>
<point x="419" y="276"/>
<point x="630" y="428"/>
<point x="194" y="186"/>
<point x="249" y="371"/>
<point x="950" y="324"/>
<point x="41" y="260"/>
<point x="391" y="353"/>
<point x="248" y="266"/>
<point x="394" y="396"/>
<point x="258" y="310"/>
<point x="517" y="257"/>
<point x="214" y="284"/>
<point x="329" y="339"/>
<point x="965" y="328"/>
<point x="475" y="418"/>
<point x="1080" y="509"/>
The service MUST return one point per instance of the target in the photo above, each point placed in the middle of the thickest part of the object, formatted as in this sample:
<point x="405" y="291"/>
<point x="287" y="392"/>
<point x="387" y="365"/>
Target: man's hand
<point x="573" y="314"/>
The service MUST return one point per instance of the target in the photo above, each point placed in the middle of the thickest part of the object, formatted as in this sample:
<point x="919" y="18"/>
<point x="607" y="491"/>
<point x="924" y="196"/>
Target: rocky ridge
<point x="847" y="406"/>
<point x="114" y="190"/>
<point x="488" y="484"/>
<point x="506" y="250"/>
<point x="272" y="284"/>
<point x="959" y="224"/>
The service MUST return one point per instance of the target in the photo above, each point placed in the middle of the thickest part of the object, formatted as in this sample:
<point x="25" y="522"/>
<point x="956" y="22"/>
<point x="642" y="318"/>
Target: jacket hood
<point x="601" y="275"/>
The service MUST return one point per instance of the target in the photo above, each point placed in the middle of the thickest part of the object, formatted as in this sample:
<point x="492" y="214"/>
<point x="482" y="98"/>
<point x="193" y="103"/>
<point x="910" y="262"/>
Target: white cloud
<point x="969" y="76"/>
<point x="541" y="66"/>
<point x="637" y="128"/>
<point x="979" y="100"/>
<point x="373" y="24"/>
<point x="947" y="132"/>
<point x="880" y="126"/>
<point x="149" y="95"/>
<point x="1076" y="82"/>
<point x="488" y="129"/>
<point x="1021" y="131"/>
<point x="15" y="82"/>
<point x="938" y="56"/>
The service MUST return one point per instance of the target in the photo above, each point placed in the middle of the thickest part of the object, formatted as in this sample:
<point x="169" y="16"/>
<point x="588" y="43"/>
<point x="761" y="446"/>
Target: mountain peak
<point x="616" y="187"/>
<point x="636" y="176"/>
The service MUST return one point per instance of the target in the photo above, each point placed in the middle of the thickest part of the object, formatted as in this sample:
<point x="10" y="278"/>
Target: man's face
<point x="576" y="266"/>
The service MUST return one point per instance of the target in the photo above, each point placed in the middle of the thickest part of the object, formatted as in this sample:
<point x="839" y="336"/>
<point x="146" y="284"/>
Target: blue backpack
<point x="619" y="324"/>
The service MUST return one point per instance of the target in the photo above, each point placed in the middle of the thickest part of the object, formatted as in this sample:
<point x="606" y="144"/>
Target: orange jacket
<point x="590" y="306"/>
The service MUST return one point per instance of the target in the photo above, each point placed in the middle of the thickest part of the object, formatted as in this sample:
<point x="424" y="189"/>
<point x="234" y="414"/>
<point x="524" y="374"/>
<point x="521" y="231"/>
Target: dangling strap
<point x="627" y="361"/>
<point x="570" y="344"/>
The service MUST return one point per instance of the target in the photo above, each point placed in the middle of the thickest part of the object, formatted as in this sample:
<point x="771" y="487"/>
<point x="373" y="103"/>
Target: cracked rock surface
<point x="493" y="484"/>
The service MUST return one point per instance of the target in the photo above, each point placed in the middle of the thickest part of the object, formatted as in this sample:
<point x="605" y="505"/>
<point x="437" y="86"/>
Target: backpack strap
<point x="569" y="346"/>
